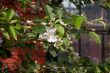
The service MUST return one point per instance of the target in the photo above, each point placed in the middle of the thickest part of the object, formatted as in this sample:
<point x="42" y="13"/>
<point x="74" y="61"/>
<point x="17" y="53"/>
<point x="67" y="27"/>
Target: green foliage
<point x="106" y="4"/>
<point x="9" y="23"/>
<point x="55" y="31"/>
<point x="59" y="13"/>
<point x="49" y="11"/>
<point x="95" y="37"/>
<point x="60" y="29"/>
<point x="10" y="14"/>
<point x="6" y="35"/>
<point x="77" y="21"/>
<point x="24" y="2"/>
<point x="39" y="29"/>
<point x="13" y="32"/>
<point x="53" y="11"/>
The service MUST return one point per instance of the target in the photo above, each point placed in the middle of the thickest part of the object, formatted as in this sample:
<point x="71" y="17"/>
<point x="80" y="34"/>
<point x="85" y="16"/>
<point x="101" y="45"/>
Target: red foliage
<point x="18" y="55"/>
<point x="14" y="61"/>
<point x="38" y="55"/>
<point x="25" y="13"/>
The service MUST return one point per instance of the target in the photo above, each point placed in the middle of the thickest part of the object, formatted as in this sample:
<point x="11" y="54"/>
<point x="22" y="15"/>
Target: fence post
<point x="103" y="47"/>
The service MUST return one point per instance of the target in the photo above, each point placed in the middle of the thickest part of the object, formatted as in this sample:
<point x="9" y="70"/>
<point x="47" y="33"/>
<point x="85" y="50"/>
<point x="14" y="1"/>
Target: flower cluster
<point x="49" y="35"/>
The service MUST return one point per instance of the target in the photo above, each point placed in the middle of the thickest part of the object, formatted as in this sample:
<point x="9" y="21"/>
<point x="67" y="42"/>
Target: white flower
<point x="49" y="35"/>
<point x="29" y="22"/>
<point x="93" y="29"/>
<point x="36" y="62"/>
<point x="44" y="23"/>
<point x="43" y="36"/>
<point x="92" y="1"/>
<point x="52" y="38"/>
<point x="77" y="54"/>
<point x="51" y="30"/>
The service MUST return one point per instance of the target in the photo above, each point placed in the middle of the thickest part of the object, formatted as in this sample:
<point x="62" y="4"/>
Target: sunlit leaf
<point x="104" y="24"/>
<point x="6" y="35"/>
<point x="13" y="32"/>
<point x="18" y="26"/>
<point x="97" y="70"/>
<point x="60" y="29"/>
<point x="13" y="21"/>
<point x="95" y="37"/>
<point x="77" y="21"/>
<point x="10" y="14"/>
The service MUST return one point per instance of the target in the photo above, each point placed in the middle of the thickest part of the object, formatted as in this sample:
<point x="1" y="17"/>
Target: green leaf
<point x="67" y="21"/>
<point x="77" y="21"/>
<point x="18" y="26"/>
<point x="24" y="3"/>
<point x="39" y="29"/>
<point x="97" y="70"/>
<point x="13" y="32"/>
<point x="108" y="4"/>
<point x="49" y="11"/>
<point x="31" y="35"/>
<point x="95" y="37"/>
<point x="59" y="13"/>
<point x="6" y="35"/>
<point x="10" y="14"/>
<point x="60" y="29"/>
<point x="101" y="22"/>
<point x="13" y="21"/>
